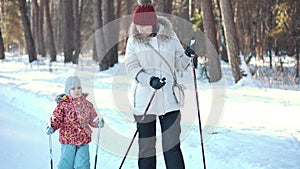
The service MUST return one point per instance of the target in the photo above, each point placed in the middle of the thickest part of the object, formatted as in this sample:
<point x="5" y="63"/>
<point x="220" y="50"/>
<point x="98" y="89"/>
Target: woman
<point x="154" y="52"/>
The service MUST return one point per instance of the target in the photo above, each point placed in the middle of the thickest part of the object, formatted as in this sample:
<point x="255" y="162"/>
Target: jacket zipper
<point x="163" y="90"/>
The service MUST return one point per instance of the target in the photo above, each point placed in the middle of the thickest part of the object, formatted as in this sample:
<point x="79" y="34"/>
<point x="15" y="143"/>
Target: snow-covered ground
<point x="257" y="128"/>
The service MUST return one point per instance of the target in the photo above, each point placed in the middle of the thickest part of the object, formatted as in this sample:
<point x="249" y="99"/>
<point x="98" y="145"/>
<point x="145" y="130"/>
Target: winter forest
<point x="247" y="74"/>
<point x="264" y="31"/>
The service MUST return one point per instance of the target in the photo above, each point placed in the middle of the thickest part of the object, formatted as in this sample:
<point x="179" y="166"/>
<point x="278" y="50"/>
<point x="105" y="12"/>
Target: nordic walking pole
<point x="128" y="149"/>
<point x="198" y="109"/>
<point x="147" y="107"/>
<point x="96" y="156"/>
<point x="50" y="148"/>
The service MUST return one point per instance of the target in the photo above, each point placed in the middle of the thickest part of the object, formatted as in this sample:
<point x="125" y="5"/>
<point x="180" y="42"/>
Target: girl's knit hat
<point x="71" y="82"/>
<point x="145" y="14"/>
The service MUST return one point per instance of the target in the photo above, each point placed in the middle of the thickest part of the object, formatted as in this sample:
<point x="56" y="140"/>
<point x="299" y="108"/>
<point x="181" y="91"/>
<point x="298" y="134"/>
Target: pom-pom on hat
<point x="71" y="82"/>
<point x="145" y="14"/>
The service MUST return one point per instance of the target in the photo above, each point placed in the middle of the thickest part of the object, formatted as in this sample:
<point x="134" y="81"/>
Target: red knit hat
<point x="145" y="13"/>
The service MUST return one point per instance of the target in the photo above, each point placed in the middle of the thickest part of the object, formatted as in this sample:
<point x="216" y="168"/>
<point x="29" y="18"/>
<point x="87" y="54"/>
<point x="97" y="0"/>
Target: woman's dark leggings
<point x="170" y="127"/>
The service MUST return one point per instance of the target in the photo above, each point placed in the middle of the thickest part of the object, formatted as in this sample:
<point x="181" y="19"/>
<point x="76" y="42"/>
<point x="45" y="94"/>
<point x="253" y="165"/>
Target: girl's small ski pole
<point x="96" y="156"/>
<point x="50" y="149"/>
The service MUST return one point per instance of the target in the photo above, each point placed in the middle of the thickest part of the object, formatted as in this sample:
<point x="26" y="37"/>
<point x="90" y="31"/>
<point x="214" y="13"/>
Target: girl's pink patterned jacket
<point x="74" y="117"/>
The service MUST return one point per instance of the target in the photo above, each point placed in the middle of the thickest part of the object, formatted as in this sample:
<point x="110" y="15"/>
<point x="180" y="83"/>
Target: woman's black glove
<point x="189" y="52"/>
<point x="157" y="83"/>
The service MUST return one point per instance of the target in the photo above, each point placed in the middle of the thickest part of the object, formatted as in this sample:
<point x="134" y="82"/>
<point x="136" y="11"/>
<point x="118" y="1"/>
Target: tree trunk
<point x="194" y="6"/>
<point x="208" y="22"/>
<point x="68" y="27"/>
<point x="168" y="6"/>
<point x="2" y="49"/>
<point x="222" y="47"/>
<point x="231" y="38"/>
<point x="58" y="37"/>
<point x="294" y="28"/>
<point x="296" y="33"/>
<point x="258" y="32"/>
<point x="126" y="25"/>
<point x="99" y="47"/>
<point x="26" y="27"/>
<point x="50" y="36"/>
<point x="77" y="22"/>
<point x="214" y="67"/>
<point x="298" y="65"/>
<point x="241" y="32"/>
<point x="111" y="57"/>
<point x="119" y="6"/>
<point x="159" y="6"/>
<point x="253" y="41"/>
<point x="184" y="13"/>
<point x="129" y="7"/>
<point x="35" y="23"/>
<point x="37" y="18"/>
<point x="41" y="41"/>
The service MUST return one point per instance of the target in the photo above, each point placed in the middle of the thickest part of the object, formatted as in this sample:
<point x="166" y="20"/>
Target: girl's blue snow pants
<point x="74" y="157"/>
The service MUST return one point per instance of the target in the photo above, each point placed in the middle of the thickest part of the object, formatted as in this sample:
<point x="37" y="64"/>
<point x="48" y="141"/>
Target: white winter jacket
<point x="142" y="62"/>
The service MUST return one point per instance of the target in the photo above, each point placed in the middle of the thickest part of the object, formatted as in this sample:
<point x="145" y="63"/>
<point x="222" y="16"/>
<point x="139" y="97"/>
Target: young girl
<point x="74" y="115"/>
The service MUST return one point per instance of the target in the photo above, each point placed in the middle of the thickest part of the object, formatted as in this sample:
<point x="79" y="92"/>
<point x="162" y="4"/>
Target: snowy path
<point x="25" y="145"/>
<point x="23" y="141"/>
<point x="259" y="128"/>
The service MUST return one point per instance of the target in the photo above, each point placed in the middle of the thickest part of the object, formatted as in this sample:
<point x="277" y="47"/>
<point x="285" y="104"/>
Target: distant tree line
<point x="257" y="29"/>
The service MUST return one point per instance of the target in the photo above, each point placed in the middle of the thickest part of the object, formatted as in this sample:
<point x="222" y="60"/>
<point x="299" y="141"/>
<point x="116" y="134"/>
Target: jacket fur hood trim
<point x="162" y="34"/>
<point x="64" y="97"/>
